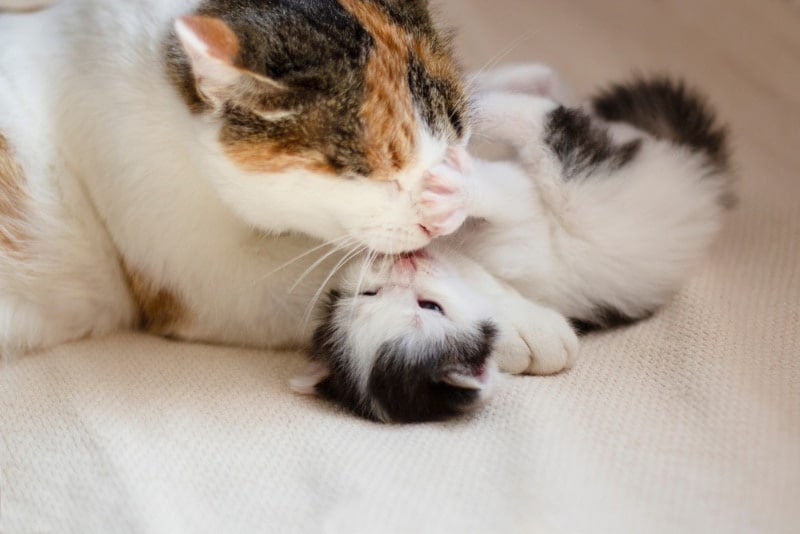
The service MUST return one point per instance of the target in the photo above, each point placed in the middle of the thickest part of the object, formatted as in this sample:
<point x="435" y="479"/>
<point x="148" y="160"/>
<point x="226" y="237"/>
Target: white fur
<point x="118" y="168"/>
<point x="569" y="244"/>
<point x="546" y="248"/>
<point x="25" y="5"/>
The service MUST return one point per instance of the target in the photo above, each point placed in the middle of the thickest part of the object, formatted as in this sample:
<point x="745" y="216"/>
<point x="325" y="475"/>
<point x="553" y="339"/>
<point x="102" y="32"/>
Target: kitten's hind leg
<point x="514" y="119"/>
<point x="524" y="78"/>
<point x="532" y="339"/>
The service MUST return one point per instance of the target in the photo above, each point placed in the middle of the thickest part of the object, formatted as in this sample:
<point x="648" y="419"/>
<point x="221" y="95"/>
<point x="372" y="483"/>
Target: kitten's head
<point x="322" y="116"/>
<point x="403" y="340"/>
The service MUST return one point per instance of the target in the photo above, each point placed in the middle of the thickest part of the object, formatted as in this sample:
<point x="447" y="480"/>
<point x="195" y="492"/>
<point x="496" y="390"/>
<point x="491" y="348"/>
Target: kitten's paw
<point x="442" y="201"/>
<point x="539" y="342"/>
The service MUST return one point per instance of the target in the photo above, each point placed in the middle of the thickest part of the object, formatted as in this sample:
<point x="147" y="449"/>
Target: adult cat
<point x="152" y="151"/>
<point x="599" y="218"/>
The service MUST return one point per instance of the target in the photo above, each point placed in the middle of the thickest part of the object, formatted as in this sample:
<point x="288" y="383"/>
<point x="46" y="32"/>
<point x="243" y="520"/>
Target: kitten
<point x="161" y="161"/>
<point x="600" y="219"/>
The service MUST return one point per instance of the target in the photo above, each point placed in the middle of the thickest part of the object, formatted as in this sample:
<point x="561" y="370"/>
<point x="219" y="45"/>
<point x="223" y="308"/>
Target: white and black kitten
<point x="599" y="220"/>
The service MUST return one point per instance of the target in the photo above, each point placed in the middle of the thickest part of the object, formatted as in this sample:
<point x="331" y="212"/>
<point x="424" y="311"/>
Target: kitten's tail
<point x="669" y="110"/>
<point x="637" y="225"/>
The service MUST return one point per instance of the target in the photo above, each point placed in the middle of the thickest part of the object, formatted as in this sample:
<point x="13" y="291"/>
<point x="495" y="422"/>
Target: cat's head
<point x="403" y="340"/>
<point x="321" y="117"/>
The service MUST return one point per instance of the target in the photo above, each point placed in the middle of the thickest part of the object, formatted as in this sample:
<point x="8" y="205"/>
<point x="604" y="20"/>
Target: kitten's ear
<point x="465" y="378"/>
<point x="213" y="50"/>
<point x="306" y="383"/>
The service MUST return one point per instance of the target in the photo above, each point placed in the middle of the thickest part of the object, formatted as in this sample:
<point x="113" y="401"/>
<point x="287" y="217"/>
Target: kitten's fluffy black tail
<point x="638" y="227"/>
<point x="667" y="109"/>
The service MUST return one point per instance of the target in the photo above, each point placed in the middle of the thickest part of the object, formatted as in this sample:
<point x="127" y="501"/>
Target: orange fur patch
<point x="263" y="158"/>
<point x="12" y="201"/>
<point x="387" y="114"/>
<point x="437" y="62"/>
<point x="160" y="310"/>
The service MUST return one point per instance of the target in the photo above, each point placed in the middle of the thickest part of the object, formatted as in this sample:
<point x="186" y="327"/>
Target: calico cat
<point x="600" y="218"/>
<point x="162" y="161"/>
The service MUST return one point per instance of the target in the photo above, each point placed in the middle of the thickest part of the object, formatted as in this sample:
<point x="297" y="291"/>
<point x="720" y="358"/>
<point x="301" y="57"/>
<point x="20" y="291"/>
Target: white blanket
<point x="689" y="422"/>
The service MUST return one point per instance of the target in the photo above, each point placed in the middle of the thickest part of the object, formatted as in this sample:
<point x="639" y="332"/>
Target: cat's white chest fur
<point x="136" y="208"/>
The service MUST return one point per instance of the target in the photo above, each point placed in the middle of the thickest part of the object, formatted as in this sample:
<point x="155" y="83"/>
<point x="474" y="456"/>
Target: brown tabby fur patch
<point x="387" y="113"/>
<point x="356" y="79"/>
<point x="264" y="158"/>
<point x="12" y="201"/>
<point x="437" y="61"/>
<point x="160" y="310"/>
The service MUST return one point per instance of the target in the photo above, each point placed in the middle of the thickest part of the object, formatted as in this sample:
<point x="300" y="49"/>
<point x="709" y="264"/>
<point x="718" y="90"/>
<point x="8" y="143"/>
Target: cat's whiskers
<point x="355" y="251"/>
<point x="347" y="242"/>
<point x="371" y="256"/>
<point x="336" y="243"/>
<point x="497" y="58"/>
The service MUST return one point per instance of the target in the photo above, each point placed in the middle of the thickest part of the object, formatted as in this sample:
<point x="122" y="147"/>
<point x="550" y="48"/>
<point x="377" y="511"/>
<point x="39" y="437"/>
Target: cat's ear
<point x="306" y="383"/>
<point x="465" y="378"/>
<point x="213" y="51"/>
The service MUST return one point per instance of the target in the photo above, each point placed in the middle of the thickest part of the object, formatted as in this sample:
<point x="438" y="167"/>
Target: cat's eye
<point x="369" y="293"/>
<point x="430" y="305"/>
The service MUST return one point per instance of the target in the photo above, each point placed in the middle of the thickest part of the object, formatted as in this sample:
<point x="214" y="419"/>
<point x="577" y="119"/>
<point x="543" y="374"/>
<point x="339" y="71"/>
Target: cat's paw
<point x="538" y="341"/>
<point x="443" y="199"/>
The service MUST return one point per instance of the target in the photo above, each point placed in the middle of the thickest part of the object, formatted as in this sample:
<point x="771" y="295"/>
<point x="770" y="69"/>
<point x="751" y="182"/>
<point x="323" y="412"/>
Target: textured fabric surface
<point x="689" y="422"/>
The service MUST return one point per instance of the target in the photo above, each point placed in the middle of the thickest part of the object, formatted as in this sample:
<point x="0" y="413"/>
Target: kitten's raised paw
<point x="442" y="201"/>
<point x="540" y="342"/>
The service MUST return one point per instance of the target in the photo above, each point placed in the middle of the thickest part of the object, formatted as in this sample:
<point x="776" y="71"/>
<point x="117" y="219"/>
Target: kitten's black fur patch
<point x="670" y="110"/>
<point x="582" y="144"/>
<point x="605" y="318"/>
<point x="409" y="387"/>
<point x="402" y="387"/>
<point x="667" y="109"/>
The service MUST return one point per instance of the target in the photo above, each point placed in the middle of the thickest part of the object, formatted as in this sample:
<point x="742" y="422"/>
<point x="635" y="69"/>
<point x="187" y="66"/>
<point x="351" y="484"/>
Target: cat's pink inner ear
<point x="209" y="37"/>
<point x="306" y="383"/>
<point x="212" y="48"/>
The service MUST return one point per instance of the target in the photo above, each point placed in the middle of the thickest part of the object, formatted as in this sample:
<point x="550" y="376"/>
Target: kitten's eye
<point x="430" y="305"/>
<point x="369" y="293"/>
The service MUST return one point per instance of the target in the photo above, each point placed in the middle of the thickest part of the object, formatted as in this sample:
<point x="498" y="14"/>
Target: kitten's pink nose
<point x="458" y="158"/>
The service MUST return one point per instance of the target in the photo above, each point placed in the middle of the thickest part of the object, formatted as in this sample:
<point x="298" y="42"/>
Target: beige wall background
<point x="689" y="422"/>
